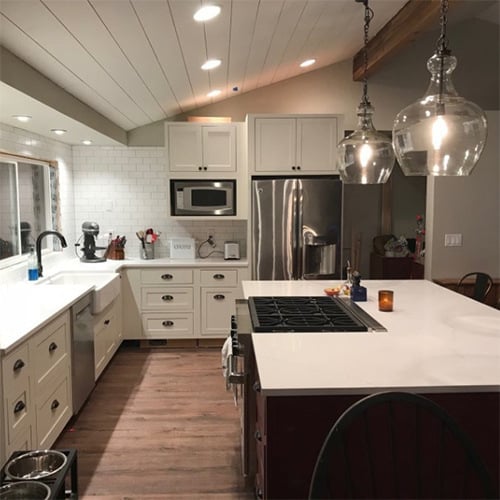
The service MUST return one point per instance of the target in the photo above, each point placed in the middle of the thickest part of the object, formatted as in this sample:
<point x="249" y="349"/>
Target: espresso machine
<point x="90" y="231"/>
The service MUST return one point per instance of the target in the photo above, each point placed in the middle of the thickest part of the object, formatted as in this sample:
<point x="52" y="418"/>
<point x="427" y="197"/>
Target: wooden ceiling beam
<point x="403" y="28"/>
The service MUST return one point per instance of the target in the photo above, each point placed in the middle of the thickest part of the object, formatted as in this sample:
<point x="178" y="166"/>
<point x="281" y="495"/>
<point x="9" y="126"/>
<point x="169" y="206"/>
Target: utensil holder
<point x="148" y="251"/>
<point x="116" y="254"/>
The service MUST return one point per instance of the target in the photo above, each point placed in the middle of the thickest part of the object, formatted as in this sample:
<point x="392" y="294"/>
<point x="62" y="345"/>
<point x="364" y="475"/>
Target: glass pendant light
<point x="441" y="133"/>
<point x="366" y="156"/>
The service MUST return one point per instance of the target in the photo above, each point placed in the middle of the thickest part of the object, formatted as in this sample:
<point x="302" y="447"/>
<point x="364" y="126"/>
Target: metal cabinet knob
<point x="293" y="167"/>
<point x="256" y="386"/>
<point x="54" y="405"/>
<point x="107" y="321"/>
<point x="298" y="167"/>
<point x="259" y="493"/>
<point x="219" y="276"/>
<point x="167" y="298"/>
<point x="166" y="276"/>
<point x="18" y="365"/>
<point x="52" y="347"/>
<point x="219" y="296"/>
<point x="258" y="436"/>
<point x="167" y="322"/>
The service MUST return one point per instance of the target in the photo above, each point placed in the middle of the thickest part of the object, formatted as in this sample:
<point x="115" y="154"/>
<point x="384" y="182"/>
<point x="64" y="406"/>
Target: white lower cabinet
<point x="179" y="303"/>
<point x="36" y="389"/>
<point x="217" y="306"/>
<point x="107" y="335"/>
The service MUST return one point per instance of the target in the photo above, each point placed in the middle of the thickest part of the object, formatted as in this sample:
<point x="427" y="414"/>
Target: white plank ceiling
<point x="138" y="61"/>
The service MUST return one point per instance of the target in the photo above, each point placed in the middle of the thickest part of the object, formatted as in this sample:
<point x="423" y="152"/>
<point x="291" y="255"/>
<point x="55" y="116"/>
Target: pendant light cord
<point x="368" y="17"/>
<point x="442" y="43"/>
<point x="442" y="51"/>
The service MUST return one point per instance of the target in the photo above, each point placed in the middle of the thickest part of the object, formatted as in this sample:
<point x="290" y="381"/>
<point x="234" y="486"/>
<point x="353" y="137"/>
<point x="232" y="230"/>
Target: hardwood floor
<point x="159" y="424"/>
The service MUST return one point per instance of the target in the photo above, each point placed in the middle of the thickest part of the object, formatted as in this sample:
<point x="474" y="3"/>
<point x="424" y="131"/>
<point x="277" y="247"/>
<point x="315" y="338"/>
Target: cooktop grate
<point x="303" y="314"/>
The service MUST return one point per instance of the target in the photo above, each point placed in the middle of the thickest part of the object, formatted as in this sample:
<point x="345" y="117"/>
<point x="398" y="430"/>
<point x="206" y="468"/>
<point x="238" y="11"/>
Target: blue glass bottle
<point x="358" y="292"/>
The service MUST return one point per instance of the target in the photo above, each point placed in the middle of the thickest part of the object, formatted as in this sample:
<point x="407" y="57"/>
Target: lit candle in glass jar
<point x="385" y="300"/>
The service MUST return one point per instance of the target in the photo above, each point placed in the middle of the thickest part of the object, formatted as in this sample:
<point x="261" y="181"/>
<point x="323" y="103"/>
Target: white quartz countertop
<point x="26" y="306"/>
<point x="436" y="340"/>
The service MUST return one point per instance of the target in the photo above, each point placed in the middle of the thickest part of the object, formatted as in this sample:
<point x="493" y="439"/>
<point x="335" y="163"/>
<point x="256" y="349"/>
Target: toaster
<point x="231" y="250"/>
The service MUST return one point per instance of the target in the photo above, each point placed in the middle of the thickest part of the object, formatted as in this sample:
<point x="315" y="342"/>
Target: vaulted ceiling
<point x="139" y="61"/>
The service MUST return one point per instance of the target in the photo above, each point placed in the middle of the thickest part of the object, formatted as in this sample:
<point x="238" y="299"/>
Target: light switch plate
<point x="453" y="240"/>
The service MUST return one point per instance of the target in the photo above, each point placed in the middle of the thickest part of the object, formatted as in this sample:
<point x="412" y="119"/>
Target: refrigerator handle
<point x="299" y="240"/>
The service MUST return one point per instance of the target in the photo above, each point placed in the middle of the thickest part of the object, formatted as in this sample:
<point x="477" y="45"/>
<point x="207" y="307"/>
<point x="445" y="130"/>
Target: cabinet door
<point x="219" y="149"/>
<point x="184" y="148"/>
<point x="217" y="306"/>
<point x="275" y="140"/>
<point x="317" y="144"/>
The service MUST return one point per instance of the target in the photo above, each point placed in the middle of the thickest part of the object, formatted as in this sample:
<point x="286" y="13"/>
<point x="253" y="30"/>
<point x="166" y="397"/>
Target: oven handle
<point x="235" y="377"/>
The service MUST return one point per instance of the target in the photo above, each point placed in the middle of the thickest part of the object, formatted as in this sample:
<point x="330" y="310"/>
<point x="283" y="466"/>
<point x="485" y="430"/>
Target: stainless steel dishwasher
<point x="82" y="352"/>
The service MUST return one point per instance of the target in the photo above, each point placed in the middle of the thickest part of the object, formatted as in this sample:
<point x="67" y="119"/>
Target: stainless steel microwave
<point x="203" y="197"/>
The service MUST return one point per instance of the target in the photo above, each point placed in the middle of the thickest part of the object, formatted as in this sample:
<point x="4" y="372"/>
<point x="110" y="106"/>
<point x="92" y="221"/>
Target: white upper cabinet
<point x="194" y="147"/>
<point x="287" y="144"/>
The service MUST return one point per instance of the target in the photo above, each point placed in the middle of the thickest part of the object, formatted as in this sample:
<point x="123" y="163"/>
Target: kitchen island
<point x="438" y="343"/>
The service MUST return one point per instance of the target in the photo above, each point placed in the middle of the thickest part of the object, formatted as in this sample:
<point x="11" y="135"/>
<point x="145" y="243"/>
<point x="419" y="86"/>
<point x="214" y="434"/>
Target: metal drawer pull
<point x="166" y="276"/>
<point x="107" y="321"/>
<point x="219" y="276"/>
<point x="258" y="436"/>
<point x="167" y="322"/>
<point x="54" y="405"/>
<point x="18" y="365"/>
<point x="219" y="296"/>
<point x="20" y="406"/>
<point x="167" y="297"/>
<point x="52" y="346"/>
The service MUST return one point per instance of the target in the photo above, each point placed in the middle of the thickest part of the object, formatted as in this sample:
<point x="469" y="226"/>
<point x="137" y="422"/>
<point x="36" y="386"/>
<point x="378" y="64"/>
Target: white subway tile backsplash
<point x="134" y="180"/>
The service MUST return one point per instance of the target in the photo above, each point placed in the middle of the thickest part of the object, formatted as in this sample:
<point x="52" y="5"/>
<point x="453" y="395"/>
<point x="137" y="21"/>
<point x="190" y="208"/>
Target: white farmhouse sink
<point x="106" y="285"/>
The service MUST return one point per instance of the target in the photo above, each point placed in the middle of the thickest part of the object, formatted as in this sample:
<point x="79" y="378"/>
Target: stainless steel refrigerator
<point x="296" y="228"/>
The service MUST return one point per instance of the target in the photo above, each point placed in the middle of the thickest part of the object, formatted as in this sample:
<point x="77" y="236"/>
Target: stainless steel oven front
<point x="243" y="376"/>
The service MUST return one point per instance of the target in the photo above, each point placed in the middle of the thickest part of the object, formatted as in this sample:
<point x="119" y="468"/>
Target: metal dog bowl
<point x="36" y="464"/>
<point x="21" y="490"/>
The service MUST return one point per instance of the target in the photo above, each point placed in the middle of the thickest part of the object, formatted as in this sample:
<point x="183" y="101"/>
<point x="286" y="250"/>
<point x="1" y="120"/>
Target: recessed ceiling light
<point x="308" y="62"/>
<point x="87" y="142"/>
<point x="22" y="118"/>
<point x="58" y="131"/>
<point x="206" y="12"/>
<point x="214" y="93"/>
<point x="211" y="64"/>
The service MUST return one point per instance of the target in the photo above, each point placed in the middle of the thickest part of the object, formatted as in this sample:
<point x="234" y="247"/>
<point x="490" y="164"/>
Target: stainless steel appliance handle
<point x="299" y="237"/>
<point x="235" y="377"/>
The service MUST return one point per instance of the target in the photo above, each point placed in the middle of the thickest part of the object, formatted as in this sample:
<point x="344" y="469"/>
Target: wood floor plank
<point x="159" y="425"/>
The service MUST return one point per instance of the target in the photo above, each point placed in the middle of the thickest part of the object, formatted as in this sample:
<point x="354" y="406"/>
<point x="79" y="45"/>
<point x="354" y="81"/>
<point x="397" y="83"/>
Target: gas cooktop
<point x="309" y="314"/>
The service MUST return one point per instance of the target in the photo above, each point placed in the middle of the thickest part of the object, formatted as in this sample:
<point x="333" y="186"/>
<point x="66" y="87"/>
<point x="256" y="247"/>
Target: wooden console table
<point x="396" y="268"/>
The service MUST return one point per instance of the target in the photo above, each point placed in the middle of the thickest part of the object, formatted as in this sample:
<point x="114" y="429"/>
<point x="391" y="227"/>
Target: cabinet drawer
<point x="15" y="371"/>
<point x="18" y="414"/>
<point x="167" y="298"/>
<point x="50" y="351"/>
<point x="225" y="277"/>
<point x="52" y="414"/>
<point x="168" y="325"/>
<point x="166" y="276"/>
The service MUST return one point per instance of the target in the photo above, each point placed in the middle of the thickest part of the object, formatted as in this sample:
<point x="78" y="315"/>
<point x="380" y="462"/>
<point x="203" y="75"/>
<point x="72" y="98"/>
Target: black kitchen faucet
<point x="39" y="247"/>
